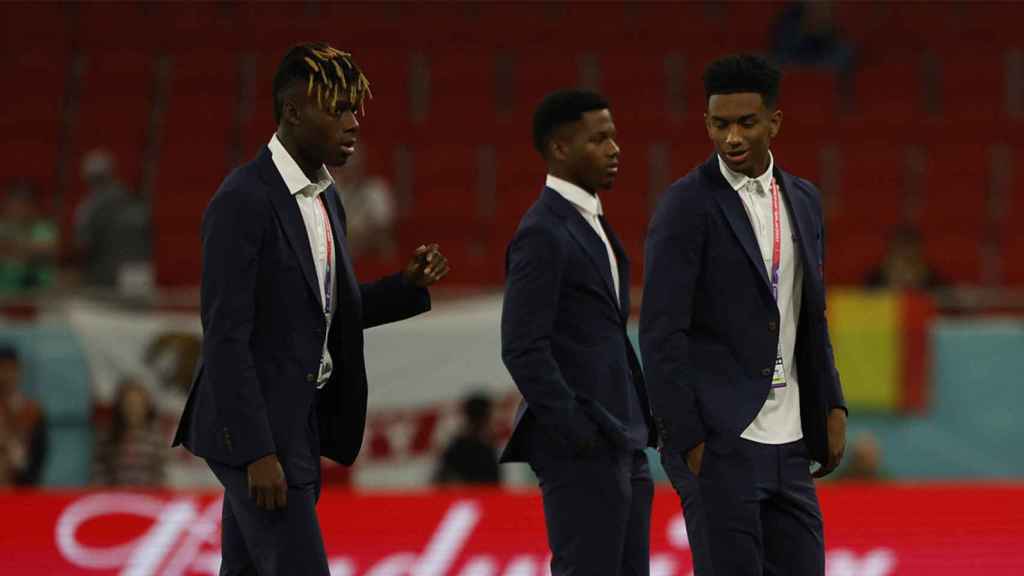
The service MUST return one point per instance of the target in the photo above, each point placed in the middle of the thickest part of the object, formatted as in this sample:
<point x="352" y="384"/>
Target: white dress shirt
<point x="778" y="422"/>
<point x="589" y="206"/>
<point x="318" y="227"/>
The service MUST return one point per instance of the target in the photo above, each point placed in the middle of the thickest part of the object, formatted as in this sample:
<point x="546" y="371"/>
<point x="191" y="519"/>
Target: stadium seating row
<point x="927" y="135"/>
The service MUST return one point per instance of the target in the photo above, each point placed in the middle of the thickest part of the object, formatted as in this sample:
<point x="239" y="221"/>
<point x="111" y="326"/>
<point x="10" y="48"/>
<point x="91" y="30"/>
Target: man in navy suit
<point x="735" y="342"/>
<point x="585" y="419"/>
<point x="282" y="379"/>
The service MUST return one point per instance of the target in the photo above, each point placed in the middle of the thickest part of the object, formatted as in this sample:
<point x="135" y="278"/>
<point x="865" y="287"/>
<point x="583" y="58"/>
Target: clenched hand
<point x="836" y="442"/>
<point x="426" y="266"/>
<point x="267" y="483"/>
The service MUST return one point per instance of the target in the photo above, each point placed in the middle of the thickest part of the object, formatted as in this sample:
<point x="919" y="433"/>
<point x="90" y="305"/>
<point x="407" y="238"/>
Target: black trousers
<point x="282" y="542"/>
<point x="598" y="512"/>
<point x="687" y="486"/>
<point x="753" y="510"/>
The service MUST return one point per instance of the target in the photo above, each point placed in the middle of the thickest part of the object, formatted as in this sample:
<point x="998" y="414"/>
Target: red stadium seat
<point x="447" y="101"/>
<point x="869" y="203"/>
<point x="742" y="26"/>
<point x="445" y="182"/>
<point x="535" y="73"/>
<point x="1012" y="254"/>
<point x="889" y="92"/>
<point x="954" y="208"/>
<point x="956" y="258"/>
<point x="627" y="206"/>
<point x="32" y="28"/>
<point x="112" y="26"/>
<point x="520" y="173"/>
<point x="973" y="87"/>
<point x="32" y="127"/>
<point x="933" y="76"/>
<point x="199" y="146"/>
<point x="258" y="119"/>
<point x="1011" y="238"/>
<point x="115" y="107"/>
<point x="30" y="155"/>
<point x="635" y="82"/>
<point x="955" y="194"/>
<point x="811" y="96"/>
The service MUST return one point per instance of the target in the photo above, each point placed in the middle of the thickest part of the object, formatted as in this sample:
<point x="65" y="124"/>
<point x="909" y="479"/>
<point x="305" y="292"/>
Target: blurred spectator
<point x="23" y="438"/>
<point x="369" y="207"/>
<point x="133" y="452"/>
<point x="471" y="457"/>
<point x="805" y="34"/>
<point x="112" y="227"/>
<point x="865" y="460"/>
<point x="904" y="266"/>
<point x="173" y="357"/>
<point x="28" y="242"/>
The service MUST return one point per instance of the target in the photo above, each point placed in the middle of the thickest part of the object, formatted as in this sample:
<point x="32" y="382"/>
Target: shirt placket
<point x="757" y="212"/>
<point x="321" y="249"/>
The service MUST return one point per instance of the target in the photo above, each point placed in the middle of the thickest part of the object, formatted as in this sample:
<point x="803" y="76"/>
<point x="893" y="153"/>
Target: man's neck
<point x="563" y="174"/>
<point x="310" y="168"/>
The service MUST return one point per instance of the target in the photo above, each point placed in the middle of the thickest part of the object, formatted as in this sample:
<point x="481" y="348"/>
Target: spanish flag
<point x="880" y="340"/>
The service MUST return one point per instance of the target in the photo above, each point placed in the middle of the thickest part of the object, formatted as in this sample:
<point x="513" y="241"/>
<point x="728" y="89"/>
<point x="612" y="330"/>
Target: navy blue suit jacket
<point x="263" y="328"/>
<point x="563" y="333"/>
<point x="709" y="324"/>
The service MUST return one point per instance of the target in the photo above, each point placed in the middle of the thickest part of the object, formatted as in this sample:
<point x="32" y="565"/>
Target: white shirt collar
<point x="579" y="197"/>
<point x="294" y="178"/>
<point x="739" y="181"/>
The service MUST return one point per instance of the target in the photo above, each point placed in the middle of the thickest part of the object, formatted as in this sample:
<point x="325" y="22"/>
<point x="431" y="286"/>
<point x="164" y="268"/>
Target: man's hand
<point x="267" y="484"/>
<point x="836" y="442"/>
<point x="426" y="266"/>
<point x="695" y="458"/>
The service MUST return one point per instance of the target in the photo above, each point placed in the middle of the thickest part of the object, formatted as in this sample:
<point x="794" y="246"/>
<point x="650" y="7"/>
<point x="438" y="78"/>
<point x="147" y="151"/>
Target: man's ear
<point x="558" y="149"/>
<point x="776" y="122"/>
<point x="290" y="112"/>
<point x="293" y="104"/>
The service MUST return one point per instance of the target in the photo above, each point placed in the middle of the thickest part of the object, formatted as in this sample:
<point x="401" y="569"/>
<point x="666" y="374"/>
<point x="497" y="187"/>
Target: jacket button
<point x="310" y="378"/>
<point x="773" y="325"/>
<point x="766" y="372"/>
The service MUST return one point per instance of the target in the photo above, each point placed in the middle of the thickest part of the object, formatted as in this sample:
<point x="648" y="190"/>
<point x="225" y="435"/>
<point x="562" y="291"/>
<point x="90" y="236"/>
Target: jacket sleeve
<point x="392" y="299"/>
<point x="833" y="387"/>
<point x="233" y="229"/>
<point x="673" y="252"/>
<point x="534" y="267"/>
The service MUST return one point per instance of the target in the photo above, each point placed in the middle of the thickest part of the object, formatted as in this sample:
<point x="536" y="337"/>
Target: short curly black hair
<point x="559" y="108"/>
<point x="740" y="73"/>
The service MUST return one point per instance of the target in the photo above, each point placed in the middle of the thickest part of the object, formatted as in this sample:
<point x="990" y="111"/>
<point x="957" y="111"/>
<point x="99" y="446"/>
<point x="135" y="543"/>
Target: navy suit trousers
<point x="598" y="511"/>
<point x="255" y="541"/>
<point x="754" y="510"/>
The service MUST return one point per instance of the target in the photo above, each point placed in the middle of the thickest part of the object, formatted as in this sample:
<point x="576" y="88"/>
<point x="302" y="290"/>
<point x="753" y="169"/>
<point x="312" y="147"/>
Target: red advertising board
<point x="870" y="531"/>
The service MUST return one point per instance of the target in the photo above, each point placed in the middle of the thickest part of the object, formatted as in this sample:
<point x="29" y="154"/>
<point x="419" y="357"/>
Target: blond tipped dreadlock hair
<point x="325" y="71"/>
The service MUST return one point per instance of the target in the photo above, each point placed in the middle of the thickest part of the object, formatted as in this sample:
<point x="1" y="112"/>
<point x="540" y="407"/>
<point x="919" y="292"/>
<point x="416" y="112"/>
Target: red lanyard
<point x="776" y="240"/>
<point x="330" y="253"/>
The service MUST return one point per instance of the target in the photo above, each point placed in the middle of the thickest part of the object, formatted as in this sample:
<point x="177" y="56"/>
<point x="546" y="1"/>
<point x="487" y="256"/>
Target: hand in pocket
<point x="695" y="459"/>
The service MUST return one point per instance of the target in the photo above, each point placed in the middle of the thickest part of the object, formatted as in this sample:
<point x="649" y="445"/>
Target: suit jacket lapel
<point x="802" y="222"/>
<point x="345" y="276"/>
<point x="581" y="231"/>
<point x="736" y="215"/>
<point x="623" y="265"/>
<point x="291" y="221"/>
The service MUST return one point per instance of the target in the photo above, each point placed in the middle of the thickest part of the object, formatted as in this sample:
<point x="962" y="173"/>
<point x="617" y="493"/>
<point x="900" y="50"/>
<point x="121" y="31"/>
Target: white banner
<point x="418" y="370"/>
